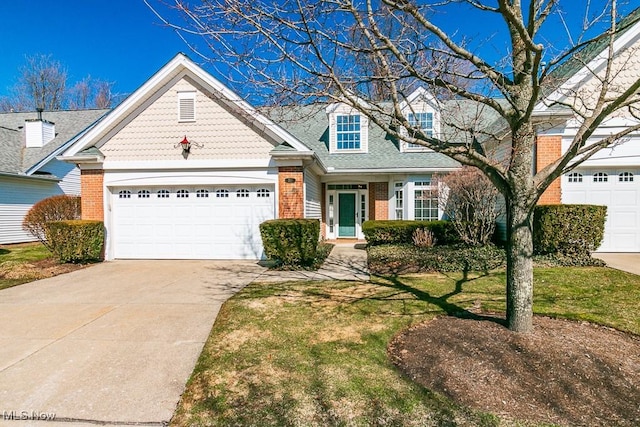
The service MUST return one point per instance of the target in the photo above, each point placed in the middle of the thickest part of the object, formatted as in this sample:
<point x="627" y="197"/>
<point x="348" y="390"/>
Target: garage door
<point x="190" y="222"/>
<point x="619" y="190"/>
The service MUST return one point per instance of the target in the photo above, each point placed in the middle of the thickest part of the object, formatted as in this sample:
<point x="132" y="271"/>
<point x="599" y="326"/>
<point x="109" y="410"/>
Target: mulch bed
<point x="564" y="372"/>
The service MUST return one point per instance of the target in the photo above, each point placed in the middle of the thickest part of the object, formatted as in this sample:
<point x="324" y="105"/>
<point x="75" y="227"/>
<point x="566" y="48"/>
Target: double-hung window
<point x="422" y="121"/>
<point x="348" y="132"/>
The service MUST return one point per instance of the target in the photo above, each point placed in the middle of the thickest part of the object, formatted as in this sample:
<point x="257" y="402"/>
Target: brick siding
<point x="291" y="194"/>
<point x="378" y="200"/>
<point x="92" y="192"/>
<point x="549" y="149"/>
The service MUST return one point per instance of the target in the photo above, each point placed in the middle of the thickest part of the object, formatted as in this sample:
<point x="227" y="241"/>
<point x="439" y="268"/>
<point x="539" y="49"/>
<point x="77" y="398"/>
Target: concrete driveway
<point x="629" y="262"/>
<point x="114" y="343"/>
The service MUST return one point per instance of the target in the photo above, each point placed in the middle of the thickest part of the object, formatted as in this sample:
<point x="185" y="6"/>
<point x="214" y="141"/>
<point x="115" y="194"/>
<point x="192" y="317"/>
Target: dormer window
<point x="348" y="132"/>
<point x="186" y="106"/>
<point x="421" y="110"/>
<point x="348" y="129"/>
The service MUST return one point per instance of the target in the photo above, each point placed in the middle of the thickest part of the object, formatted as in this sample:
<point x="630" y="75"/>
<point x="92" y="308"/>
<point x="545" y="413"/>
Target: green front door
<point x="346" y="215"/>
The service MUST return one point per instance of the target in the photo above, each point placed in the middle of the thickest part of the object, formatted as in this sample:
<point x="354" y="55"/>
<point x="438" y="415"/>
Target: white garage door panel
<point x="218" y="226"/>
<point x="621" y="194"/>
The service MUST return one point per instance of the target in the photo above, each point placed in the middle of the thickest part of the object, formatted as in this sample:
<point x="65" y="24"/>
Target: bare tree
<point x="316" y="49"/>
<point x="42" y="82"/>
<point x="90" y="93"/>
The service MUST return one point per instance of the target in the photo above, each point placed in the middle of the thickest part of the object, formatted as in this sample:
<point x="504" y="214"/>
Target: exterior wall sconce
<point x="186" y="145"/>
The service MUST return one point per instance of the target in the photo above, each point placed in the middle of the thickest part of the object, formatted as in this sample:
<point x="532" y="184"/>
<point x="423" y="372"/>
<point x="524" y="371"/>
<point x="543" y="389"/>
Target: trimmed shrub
<point x="384" y="232"/>
<point x="55" y="208"/>
<point x="291" y="242"/>
<point x="404" y="259"/>
<point x="76" y="240"/>
<point x="568" y="229"/>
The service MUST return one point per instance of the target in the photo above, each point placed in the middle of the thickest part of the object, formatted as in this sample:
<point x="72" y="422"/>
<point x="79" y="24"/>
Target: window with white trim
<point x="399" y="199"/>
<point x="202" y="193"/>
<point x="600" y="177"/>
<point x="163" y="194"/>
<point x="242" y="193"/>
<point x="124" y="194"/>
<point x="186" y="106"/>
<point x="425" y="201"/>
<point x="263" y="192"/>
<point x="144" y="194"/>
<point x="222" y="193"/>
<point x="625" y="177"/>
<point x="574" y="177"/>
<point x="422" y="121"/>
<point x="348" y="132"/>
<point x="182" y="194"/>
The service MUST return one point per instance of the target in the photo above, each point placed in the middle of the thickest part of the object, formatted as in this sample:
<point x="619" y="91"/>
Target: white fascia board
<point x="388" y="171"/>
<point x="186" y="164"/>
<point x="585" y="71"/>
<point x="420" y="92"/>
<point x="180" y="63"/>
<point x="81" y="159"/>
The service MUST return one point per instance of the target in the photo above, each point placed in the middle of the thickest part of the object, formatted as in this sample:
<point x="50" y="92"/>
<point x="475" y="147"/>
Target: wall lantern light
<point x="186" y="145"/>
<point x="289" y="180"/>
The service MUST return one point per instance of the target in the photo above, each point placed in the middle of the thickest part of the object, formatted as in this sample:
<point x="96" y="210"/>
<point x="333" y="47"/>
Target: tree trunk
<point x="519" y="266"/>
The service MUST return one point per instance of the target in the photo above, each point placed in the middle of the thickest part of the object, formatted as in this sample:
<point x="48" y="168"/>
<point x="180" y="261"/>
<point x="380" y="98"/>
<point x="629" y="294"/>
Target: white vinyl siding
<point x="68" y="173"/>
<point x="17" y="196"/>
<point x="313" y="190"/>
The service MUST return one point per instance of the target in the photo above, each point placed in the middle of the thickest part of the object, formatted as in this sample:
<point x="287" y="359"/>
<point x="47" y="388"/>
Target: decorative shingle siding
<point x="154" y="132"/>
<point x="91" y="182"/>
<point x="291" y="194"/>
<point x="548" y="150"/>
<point x="378" y="200"/>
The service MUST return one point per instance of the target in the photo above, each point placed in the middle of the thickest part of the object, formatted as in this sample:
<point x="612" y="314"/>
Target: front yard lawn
<point x="26" y="262"/>
<point x="316" y="353"/>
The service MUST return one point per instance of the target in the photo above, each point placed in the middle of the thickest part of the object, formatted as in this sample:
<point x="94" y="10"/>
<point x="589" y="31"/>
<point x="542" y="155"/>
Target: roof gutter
<point x="36" y="177"/>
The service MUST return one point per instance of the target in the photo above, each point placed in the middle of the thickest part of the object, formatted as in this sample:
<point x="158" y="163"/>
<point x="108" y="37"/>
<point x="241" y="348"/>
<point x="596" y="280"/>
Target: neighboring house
<point x="29" y="170"/>
<point x="612" y="176"/>
<point x="184" y="168"/>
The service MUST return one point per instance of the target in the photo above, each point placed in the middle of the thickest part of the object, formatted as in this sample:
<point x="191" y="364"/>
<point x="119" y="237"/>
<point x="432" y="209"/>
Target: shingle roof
<point x="16" y="158"/>
<point x="309" y="123"/>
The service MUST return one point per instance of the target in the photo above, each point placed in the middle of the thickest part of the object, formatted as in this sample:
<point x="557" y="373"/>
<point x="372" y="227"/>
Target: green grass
<point x="14" y="258"/>
<point x="314" y="353"/>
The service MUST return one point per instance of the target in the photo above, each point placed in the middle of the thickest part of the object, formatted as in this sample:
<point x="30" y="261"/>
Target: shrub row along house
<point x="184" y="168"/>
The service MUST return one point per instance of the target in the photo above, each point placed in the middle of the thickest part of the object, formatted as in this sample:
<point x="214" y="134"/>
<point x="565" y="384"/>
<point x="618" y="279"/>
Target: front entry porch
<point x="347" y="210"/>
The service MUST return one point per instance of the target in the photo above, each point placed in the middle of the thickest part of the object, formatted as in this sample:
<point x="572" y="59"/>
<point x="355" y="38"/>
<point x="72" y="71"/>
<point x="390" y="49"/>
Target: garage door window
<point x="263" y="192"/>
<point x="124" y="194"/>
<point x="202" y="193"/>
<point x="222" y="193"/>
<point x="600" y="177"/>
<point x="144" y="194"/>
<point x="575" y="177"/>
<point x="163" y="194"/>
<point x="182" y="194"/>
<point x="242" y="193"/>
<point x="625" y="177"/>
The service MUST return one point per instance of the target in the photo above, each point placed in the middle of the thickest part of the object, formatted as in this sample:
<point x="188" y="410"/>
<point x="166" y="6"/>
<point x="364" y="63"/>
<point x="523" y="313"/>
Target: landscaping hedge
<point x="403" y="259"/>
<point x="384" y="232"/>
<point x="568" y="229"/>
<point x="76" y="240"/>
<point x="291" y="242"/>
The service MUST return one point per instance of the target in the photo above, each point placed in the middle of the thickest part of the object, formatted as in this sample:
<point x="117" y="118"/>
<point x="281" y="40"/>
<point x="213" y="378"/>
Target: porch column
<point x="548" y="150"/>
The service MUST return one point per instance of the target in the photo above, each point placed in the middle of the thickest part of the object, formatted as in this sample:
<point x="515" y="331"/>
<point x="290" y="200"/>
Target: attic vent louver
<point x="186" y="106"/>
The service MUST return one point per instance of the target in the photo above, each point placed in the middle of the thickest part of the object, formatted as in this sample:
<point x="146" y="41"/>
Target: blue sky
<point x="115" y="40"/>
<point x="122" y="41"/>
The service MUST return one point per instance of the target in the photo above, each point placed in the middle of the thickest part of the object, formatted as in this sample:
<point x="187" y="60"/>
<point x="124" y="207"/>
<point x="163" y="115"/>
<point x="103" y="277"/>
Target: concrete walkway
<point x="629" y="262"/>
<point x="112" y="344"/>
<point x="347" y="261"/>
